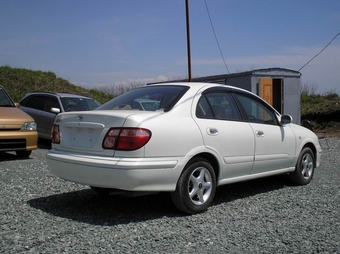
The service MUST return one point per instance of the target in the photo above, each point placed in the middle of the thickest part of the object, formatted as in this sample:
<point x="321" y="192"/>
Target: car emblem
<point x="80" y="117"/>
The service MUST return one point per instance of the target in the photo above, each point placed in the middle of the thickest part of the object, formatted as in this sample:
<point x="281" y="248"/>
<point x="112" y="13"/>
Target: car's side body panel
<point x="305" y="137"/>
<point x="234" y="143"/>
<point x="275" y="147"/>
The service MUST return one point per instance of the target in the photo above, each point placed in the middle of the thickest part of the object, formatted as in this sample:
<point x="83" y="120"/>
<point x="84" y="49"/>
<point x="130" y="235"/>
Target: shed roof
<point x="258" y="72"/>
<point x="273" y="72"/>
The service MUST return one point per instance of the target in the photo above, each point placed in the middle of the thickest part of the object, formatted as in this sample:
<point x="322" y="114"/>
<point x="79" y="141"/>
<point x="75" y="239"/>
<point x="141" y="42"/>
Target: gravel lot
<point x="43" y="214"/>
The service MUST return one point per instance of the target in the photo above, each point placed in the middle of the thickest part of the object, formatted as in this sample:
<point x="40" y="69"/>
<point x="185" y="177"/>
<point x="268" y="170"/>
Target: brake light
<point x="55" y="134"/>
<point x="126" y="139"/>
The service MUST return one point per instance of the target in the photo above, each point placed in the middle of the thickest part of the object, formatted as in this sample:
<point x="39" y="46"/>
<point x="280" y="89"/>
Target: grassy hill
<point x="18" y="82"/>
<point x="323" y="111"/>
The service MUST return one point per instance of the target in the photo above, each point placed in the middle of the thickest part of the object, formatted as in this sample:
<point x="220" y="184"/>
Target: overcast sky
<point x="107" y="42"/>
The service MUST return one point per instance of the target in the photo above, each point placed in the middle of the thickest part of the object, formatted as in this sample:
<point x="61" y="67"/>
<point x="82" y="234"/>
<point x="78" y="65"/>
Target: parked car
<point x="18" y="131"/>
<point x="44" y="106"/>
<point x="201" y="136"/>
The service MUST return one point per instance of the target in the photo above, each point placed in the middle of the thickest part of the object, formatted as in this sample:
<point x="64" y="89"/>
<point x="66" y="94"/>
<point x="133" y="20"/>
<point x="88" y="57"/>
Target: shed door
<point x="271" y="90"/>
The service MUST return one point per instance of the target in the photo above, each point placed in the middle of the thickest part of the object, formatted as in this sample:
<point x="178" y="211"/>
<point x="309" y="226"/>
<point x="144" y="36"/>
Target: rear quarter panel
<point x="173" y="133"/>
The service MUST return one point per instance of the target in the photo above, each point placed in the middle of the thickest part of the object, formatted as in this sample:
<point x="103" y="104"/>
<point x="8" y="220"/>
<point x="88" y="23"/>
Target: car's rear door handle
<point x="212" y="131"/>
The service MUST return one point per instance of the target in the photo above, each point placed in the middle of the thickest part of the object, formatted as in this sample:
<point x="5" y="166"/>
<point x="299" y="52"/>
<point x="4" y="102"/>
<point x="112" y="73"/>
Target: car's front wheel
<point x="23" y="154"/>
<point x="195" y="188"/>
<point x="304" y="168"/>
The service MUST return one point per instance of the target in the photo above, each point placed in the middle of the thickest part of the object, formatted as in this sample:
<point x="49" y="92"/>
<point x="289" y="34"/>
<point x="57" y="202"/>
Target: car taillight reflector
<point x="127" y="139"/>
<point x="55" y="134"/>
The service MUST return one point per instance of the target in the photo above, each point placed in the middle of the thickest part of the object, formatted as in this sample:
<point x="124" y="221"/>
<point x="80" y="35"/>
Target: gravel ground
<point x="43" y="214"/>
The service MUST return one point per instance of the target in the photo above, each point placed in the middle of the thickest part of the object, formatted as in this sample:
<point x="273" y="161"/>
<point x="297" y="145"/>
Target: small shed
<point x="280" y="87"/>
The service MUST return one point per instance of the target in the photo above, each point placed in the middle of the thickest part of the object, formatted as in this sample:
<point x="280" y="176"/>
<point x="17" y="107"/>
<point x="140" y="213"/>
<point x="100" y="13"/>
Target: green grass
<point x="18" y="82"/>
<point x="323" y="111"/>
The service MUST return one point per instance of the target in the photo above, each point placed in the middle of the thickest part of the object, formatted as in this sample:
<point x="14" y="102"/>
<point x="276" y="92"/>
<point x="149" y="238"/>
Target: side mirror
<point x="286" y="119"/>
<point x="55" y="110"/>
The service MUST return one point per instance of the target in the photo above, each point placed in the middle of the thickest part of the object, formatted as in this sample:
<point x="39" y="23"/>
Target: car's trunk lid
<point x="84" y="131"/>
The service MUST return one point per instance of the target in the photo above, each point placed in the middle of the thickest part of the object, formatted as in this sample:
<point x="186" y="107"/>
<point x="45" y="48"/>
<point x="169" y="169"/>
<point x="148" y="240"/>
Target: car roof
<point x="58" y="94"/>
<point x="199" y="85"/>
<point x="196" y="86"/>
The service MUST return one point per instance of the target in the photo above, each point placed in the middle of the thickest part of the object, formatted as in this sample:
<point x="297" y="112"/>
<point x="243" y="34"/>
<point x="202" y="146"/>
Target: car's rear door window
<point x="33" y="101"/>
<point x="217" y="105"/>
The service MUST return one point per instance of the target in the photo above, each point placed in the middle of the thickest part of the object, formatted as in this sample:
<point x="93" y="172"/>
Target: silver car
<point x="44" y="106"/>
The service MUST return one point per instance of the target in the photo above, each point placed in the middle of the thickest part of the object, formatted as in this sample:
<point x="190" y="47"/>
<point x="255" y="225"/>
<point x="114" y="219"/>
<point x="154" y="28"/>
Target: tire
<point x="304" y="169"/>
<point x="195" y="188"/>
<point x="23" y="154"/>
<point x="101" y="191"/>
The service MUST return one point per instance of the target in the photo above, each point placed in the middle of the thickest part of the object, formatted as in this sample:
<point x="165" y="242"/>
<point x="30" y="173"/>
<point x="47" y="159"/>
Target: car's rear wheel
<point x="304" y="168"/>
<point x="23" y="154"/>
<point x="195" y="188"/>
<point x="101" y="191"/>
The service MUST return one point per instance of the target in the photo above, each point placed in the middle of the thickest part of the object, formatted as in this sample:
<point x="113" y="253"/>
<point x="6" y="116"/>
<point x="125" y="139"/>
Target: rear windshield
<point x="147" y="98"/>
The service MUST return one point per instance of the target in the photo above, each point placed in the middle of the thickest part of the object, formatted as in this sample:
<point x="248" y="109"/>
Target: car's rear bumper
<point x="131" y="174"/>
<point x="18" y="140"/>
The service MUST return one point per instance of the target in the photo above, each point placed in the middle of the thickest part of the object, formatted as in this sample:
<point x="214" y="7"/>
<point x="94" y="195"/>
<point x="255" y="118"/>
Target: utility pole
<point x="188" y="39"/>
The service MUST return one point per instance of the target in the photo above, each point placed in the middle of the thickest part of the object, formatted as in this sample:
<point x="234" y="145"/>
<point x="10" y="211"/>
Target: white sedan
<point x="199" y="136"/>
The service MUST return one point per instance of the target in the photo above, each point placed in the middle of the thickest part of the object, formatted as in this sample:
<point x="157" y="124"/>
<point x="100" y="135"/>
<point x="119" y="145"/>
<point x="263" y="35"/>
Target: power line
<point x="212" y="26"/>
<point x="320" y="51"/>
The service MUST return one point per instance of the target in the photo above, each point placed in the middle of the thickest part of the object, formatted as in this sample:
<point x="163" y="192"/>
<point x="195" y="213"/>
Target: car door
<point x="274" y="143"/>
<point x="47" y="116"/>
<point x="225" y="133"/>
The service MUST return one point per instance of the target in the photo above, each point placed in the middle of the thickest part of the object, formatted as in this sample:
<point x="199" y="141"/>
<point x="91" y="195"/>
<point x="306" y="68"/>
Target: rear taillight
<point x="55" y="134"/>
<point x="126" y="139"/>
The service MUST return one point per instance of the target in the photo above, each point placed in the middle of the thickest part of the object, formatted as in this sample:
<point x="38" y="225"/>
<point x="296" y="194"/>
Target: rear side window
<point x="33" y="101"/>
<point x="148" y="98"/>
<point x="217" y="105"/>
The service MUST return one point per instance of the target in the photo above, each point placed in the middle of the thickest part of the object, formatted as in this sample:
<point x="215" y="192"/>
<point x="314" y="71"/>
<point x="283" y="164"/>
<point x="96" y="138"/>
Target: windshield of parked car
<point x="79" y="104"/>
<point x="5" y="101"/>
<point x="147" y="98"/>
